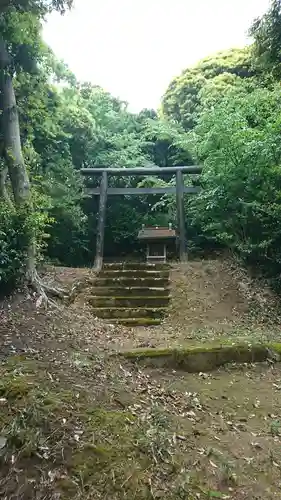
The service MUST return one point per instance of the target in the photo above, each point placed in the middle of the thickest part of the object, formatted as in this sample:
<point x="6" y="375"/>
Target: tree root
<point x="78" y="285"/>
<point x="45" y="291"/>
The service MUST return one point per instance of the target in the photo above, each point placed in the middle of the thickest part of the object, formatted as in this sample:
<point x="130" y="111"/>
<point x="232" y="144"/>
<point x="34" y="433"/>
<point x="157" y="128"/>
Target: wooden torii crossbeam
<point x="103" y="191"/>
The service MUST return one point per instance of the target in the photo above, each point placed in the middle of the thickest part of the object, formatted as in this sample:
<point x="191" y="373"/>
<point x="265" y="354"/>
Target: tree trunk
<point x="4" y="196"/>
<point x="12" y="150"/>
<point x="3" y="168"/>
<point x="11" y="133"/>
<point x="12" y="154"/>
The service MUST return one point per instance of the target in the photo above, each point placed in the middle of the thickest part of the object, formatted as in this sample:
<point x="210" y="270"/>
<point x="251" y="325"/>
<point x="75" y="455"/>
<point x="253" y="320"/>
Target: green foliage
<point x="22" y="225"/>
<point x="12" y="247"/>
<point x="161" y="140"/>
<point x="267" y="35"/>
<point x="230" y="105"/>
<point x="15" y="230"/>
<point x="240" y="205"/>
<point x="225" y="113"/>
<point x="182" y="101"/>
<point x="76" y="125"/>
<point x="38" y="7"/>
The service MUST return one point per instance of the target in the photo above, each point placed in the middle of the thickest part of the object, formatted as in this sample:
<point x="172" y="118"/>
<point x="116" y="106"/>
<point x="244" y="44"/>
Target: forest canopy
<point x="224" y="113"/>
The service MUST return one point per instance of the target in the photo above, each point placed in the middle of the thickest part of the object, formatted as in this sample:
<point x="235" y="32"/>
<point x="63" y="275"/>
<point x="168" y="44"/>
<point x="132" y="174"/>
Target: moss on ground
<point x="65" y="442"/>
<point x="77" y="423"/>
<point x="275" y="347"/>
<point x="111" y="458"/>
<point x="137" y="321"/>
<point x="205" y="358"/>
<point x="129" y="312"/>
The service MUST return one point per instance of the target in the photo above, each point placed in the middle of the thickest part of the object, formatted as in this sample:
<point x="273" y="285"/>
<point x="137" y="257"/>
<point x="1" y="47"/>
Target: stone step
<point x="125" y="291"/>
<point x="135" y="266"/>
<point x="134" y="322"/>
<point x="133" y="273"/>
<point x="128" y="312"/>
<point x="130" y="282"/>
<point x="128" y="301"/>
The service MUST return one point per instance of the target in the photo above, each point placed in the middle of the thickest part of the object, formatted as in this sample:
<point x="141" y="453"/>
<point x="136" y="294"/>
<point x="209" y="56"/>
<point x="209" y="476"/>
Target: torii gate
<point x="103" y="191"/>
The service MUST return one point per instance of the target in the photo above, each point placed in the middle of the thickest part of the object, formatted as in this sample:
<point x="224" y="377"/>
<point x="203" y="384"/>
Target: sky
<point x="133" y="48"/>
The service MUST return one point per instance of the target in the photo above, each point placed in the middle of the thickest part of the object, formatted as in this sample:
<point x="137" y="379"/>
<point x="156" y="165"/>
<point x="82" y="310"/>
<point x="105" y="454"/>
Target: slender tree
<point x="10" y="142"/>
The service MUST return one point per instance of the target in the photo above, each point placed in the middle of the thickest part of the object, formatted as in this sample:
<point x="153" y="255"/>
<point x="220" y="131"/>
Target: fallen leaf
<point x="190" y="414"/>
<point x="216" y="494"/>
<point x="213" y="464"/>
<point x="3" y="442"/>
<point x="181" y="438"/>
<point x="256" y="445"/>
<point x="39" y="301"/>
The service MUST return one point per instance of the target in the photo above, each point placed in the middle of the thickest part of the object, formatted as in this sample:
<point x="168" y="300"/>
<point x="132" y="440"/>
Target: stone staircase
<point x="132" y="294"/>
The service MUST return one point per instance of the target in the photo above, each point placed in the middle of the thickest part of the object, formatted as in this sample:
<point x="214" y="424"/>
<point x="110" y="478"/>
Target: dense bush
<point x="240" y="205"/>
<point x="13" y="244"/>
<point x="224" y="113"/>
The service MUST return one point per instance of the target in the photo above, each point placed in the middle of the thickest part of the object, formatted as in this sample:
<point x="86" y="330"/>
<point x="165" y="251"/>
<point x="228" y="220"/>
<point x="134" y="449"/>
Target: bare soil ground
<point x="212" y="300"/>
<point x="79" y="423"/>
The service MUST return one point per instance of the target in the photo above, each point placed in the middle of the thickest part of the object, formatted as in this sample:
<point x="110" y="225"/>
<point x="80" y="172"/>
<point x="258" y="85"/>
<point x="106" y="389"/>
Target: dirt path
<point x="78" y="423"/>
